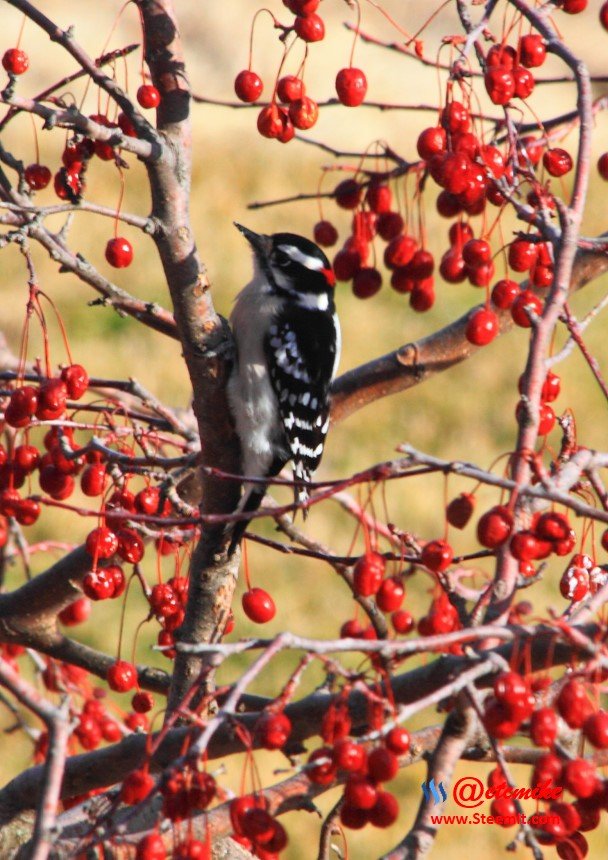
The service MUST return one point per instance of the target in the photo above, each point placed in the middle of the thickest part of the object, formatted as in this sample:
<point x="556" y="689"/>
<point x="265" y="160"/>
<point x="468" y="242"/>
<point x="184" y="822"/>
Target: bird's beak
<point x="260" y="243"/>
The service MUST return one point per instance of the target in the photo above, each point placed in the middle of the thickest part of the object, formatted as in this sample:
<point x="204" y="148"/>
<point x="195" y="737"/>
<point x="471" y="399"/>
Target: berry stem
<point x="60" y="322"/>
<point x="21" y="29"/>
<point x="120" y="199"/>
<point x="356" y="34"/>
<point x="255" y="17"/>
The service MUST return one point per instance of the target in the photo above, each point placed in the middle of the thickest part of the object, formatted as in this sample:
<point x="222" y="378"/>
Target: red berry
<point x="368" y="574"/>
<point x="494" y="527"/>
<point x="258" y="605"/>
<point x="532" y="50"/>
<point x="482" y="327"/>
<point x="382" y="764"/>
<point x="25" y="457"/>
<point x="557" y="162"/>
<point x="456" y="118"/>
<point x="389" y="225"/>
<point x="595" y="729"/>
<point x="399" y="252"/>
<point x="325" y="234"/>
<point x="68" y="184"/>
<point x="403" y="621"/>
<point x="98" y="585"/>
<point x="55" y="482"/>
<point x="547" y="419"/>
<point x="137" y="785"/>
<point x="76" y="380"/>
<point x="101" y="543"/>
<point x="142" y="702"/>
<point x="323" y="773"/>
<point x="351" y="86"/>
<point x="437" y="555"/>
<point x="385" y="811"/>
<point x="353" y="817"/>
<point x="304" y="113"/>
<point x="52" y="400"/>
<point x="37" y="176"/>
<point x="367" y="281"/>
<point x="514" y="694"/>
<point x="76" y="613"/>
<point x="504" y="293"/>
<point x="602" y="165"/>
<point x="270" y="121"/>
<point x="360" y="792"/>
<point x="390" y="595"/>
<point x="431" y="141"/>
<point x="119" y="252"/>
<point x="552" y="526"/>
<point x="21" y="406"/>
<point x="15" y="61"/>
<point x="302" y="7"/>
<point x="103" y="150"/>
<point x="130" y="546"/>
<point x="543" y="727"/>
<point x="460" y="510"/>
<point x="398" y="740"/>
<point x="524" y="82"/>
<point x="579" y="777"/>
<point x="273" y="730"/>
<point x="348" y="755"/>
<point x="290" y="89"/>
<point x="348" y="194"/>
<point x="379" y="197"/>
<point x="498" y="721"/>
<point x="573" y="7"/>
<point x="422" y="297"/>
<point x="522" y="255"/>
<point x="492" y="159"/>
<point x="525" y="303"/>
<point x="310" y="28"/>
<point x="476" y="251"/>
<point x="502" y="55"/>
<point x="500" y="84"/>
<point x="148" y="96"/>
<point x="573" y="703"/>
<point x="94" y="479"/>
<point x="121" y="676"/>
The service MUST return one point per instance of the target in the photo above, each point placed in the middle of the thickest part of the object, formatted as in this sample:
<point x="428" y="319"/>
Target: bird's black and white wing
<point x="302" y="351"/>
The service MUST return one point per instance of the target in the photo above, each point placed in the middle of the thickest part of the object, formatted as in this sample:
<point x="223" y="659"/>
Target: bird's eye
<point x="282" y="259"/>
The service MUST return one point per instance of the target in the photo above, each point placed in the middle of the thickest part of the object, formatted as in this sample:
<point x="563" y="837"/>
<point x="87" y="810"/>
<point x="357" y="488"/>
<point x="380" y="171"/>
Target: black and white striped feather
<point x="301" y="368"/>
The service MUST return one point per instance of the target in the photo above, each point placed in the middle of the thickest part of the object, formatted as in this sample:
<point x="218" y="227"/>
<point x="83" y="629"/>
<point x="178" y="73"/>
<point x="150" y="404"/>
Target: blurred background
<point x="465" y="414"/>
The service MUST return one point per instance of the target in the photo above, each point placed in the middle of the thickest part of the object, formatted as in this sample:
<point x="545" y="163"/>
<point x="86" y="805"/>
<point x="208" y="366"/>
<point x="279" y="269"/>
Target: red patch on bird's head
<point x="329" y="276"/>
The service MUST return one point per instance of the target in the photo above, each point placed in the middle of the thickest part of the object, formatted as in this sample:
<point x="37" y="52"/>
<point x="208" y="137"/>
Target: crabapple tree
<point x="137" y="757"/>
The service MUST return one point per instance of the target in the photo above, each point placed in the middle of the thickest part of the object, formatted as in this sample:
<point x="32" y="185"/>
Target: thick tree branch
<point x="110" y="765"/>
<point x="416" y="362"/>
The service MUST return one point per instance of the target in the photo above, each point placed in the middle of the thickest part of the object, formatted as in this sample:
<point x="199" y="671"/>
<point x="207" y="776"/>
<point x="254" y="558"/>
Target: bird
<point x="287" y="349"/>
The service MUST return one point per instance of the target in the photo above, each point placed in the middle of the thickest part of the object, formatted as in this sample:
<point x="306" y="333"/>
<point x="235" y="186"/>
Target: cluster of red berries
<point x="45" y="402"/>
<point x="290" y="108"/>
<point x="511" y="708"/>
<point x="582" y="577"/>
<point x="168" y="602"/>
<point x="255" y="828"/>
<point x="549" y="533"/>
<point x="470" y="173"/>
<point x="152" y="847"/>
<point x="93" y="723"/>
<point x="370" y="580"/>
<point x="365" y="768"/>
